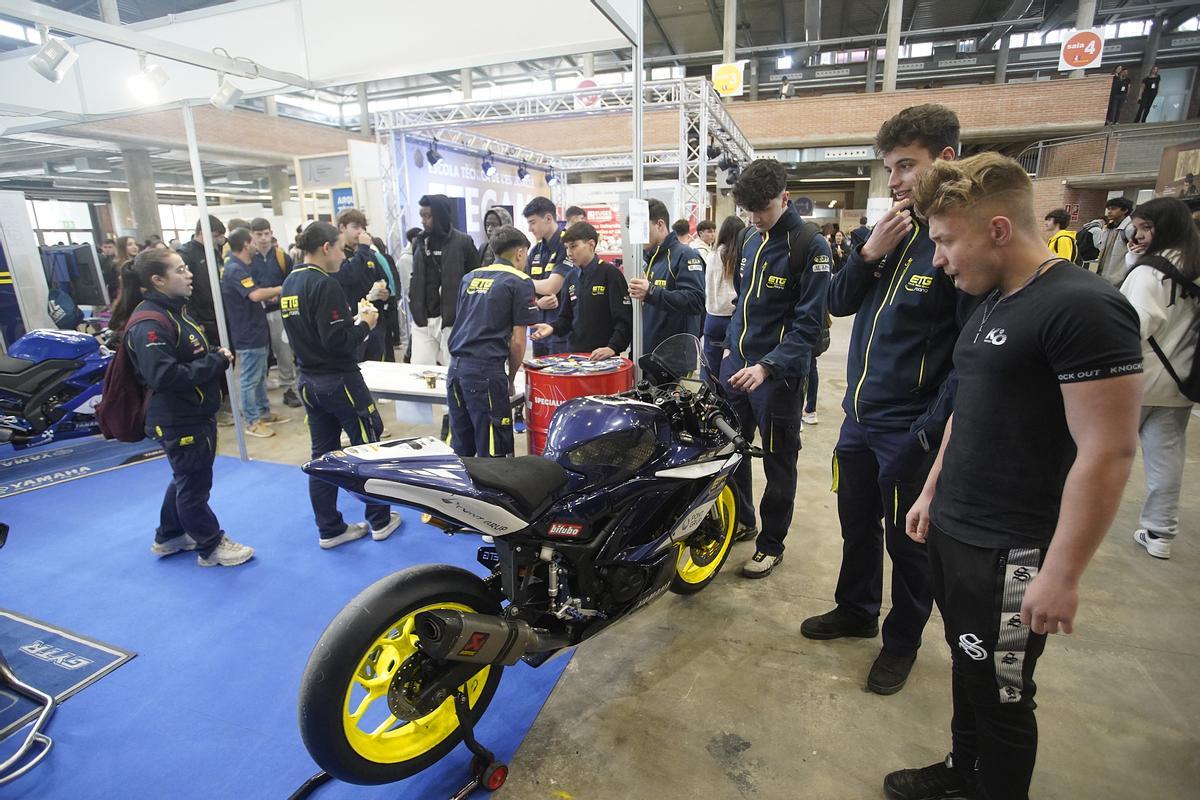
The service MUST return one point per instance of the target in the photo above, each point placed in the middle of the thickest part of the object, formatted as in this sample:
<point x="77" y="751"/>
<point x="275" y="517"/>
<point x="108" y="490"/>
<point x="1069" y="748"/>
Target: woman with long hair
<point x="1167" y="300"/>
<point x="172" y="357"/>
<point x="718" y="291"/>
<point x="841" y="250"/>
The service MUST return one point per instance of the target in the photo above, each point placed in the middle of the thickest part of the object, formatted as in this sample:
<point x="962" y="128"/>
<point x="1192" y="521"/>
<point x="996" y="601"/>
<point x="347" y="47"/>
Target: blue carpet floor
<point x="207" y="709"/>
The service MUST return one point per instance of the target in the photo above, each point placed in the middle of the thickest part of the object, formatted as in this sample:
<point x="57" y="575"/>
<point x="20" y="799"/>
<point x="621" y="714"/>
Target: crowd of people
<point x="1000" y="372"/>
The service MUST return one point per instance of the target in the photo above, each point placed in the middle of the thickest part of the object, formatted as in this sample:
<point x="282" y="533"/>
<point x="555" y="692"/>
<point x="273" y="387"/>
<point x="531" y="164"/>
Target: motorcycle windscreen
<point x="677" y="360"/>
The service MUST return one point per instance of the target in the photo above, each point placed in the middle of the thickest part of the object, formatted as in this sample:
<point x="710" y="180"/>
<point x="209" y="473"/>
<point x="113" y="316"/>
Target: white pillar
<point x="1084" y="18"/>
<point x="109" y="12"/>
<point x="634" y="269"/>
<point x="588" y="63"/>
<point x="464" y="79"/>
<point x="891" y="58"/>
<point x="729" y="34"/>
<point x="214" y="280"/>
<point x="364" y="116"/>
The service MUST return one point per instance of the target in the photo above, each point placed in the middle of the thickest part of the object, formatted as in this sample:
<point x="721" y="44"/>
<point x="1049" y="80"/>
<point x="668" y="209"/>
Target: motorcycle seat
<point x="26" y="377"/>
<point x="531" y="481"/>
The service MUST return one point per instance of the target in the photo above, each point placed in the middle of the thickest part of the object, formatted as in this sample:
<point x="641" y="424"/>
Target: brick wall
<point x="1079" y="158"/>
<point x="1052" y="193"/>
<point x="1048" y="108"/>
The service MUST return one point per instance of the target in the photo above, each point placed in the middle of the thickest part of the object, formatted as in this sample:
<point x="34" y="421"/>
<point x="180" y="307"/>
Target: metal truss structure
<point x="702" y="119"/>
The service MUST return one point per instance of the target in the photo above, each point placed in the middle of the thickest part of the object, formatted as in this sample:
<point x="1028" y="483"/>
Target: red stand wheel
<point x="494" y="776"/>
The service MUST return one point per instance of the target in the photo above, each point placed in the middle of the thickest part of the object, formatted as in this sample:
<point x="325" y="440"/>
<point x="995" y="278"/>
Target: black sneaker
<point x="745" y="533"/>
<point x="291" y="400"/>
<point x="939" y="781"/>
<point x="836" y="624"/>
<point x="889" y="673"/>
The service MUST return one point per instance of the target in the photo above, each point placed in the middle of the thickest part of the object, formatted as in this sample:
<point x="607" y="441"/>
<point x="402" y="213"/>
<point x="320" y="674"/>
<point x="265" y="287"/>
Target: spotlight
<point x="732" y="175"/>
<point x="54" y="58"/>
<point x="693" y="137"/>
<point x="432" y="155"/>
<point x="489" y="167"/>
<point x="552" y="178"/>
<point x="783" y="62"/>
<point x="148" y="81"/>
<point x="714" y="150"/>
<point x="227" y="95"/>
<point x="727" y="163"/>
<point x="522" y="172"/>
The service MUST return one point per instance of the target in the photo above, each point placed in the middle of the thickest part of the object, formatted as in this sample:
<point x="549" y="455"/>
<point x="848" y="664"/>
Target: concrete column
<point x="281" y="190"/>
<point x="729" y="34"/>
<point x="891" y="58"/>
<point x="272" y="107"/>
<point x="342" y="116"/>
<point x="1002" y="61"/>
<point x="109" y="12"/>
<point x="862" y="190"/>
<point x="464" y="79"/>
<point x="753" y="66"/>
<point x="1084" y="18"/>
<point x="122" y="216"/>
<point x="1152" y="43"/>
<point x="873" y="68"/>
<point x="588" y="63"/>
<point x="143" y="200"/>
<point x="879" y="181"/>
<point x="364" y="116"/>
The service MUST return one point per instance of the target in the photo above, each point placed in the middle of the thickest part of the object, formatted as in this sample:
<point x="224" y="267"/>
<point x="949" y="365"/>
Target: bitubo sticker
<point x="566" y="530"/>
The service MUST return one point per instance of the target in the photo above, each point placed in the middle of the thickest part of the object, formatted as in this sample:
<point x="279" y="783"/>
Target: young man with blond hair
<point x="1031" y="467"/>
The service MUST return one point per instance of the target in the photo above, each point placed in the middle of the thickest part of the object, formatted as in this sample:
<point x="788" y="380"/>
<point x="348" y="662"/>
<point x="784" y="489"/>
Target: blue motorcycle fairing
<point x="74" y="416"/>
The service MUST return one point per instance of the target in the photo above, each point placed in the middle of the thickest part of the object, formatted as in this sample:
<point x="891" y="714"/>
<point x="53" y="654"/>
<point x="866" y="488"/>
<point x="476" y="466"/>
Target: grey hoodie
<point x="486" y="256"/>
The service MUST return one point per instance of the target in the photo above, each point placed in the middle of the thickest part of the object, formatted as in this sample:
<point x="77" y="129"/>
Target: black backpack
<point x="1085" y="246"/>
<point x="1190" y="386"/>
<point x="799" y="242"/>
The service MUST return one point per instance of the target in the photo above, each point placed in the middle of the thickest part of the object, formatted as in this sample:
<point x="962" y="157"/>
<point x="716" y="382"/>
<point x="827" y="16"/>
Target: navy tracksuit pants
<point x="336" y="403"/>
<point x="878" y="475"/>
<point x="773" y="409"/>
<point x="190" y="451"/>
<point x="480" y="412"/>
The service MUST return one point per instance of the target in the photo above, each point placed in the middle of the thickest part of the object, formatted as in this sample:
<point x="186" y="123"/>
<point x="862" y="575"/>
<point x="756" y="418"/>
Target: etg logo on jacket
<point x="776" y="282"/>
<point x="480" y="285"/>
<point x="919" y="283"/>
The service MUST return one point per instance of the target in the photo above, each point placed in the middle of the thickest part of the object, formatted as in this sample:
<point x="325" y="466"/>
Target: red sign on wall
<point x="1073" y="210"/>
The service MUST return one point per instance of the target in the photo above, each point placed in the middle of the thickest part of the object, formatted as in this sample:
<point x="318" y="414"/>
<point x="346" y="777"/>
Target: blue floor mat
<point x="60" y="462"/>
<point x="208" y="708"/>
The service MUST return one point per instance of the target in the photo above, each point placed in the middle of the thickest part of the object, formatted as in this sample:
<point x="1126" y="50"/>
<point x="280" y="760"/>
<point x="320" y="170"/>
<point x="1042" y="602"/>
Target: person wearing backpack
<point x="907" y="315"/>
<point x="1163" y="289"/>
<point x="172" y="357"/>
<point x="780" y="282"/>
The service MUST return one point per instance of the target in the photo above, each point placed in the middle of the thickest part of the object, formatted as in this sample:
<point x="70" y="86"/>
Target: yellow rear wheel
<point x="348" y="724"/>
<point x="702" y="554"/>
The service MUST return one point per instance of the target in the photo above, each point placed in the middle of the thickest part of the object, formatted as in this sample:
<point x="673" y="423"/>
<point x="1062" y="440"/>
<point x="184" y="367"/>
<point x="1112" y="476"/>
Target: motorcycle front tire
<point x="702" y="554"/>
<point x="345" y="720"/>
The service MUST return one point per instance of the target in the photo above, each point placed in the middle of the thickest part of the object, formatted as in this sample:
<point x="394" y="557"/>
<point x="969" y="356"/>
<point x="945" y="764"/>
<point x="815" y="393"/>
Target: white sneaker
<point x="809" y="418"/>
<point x="259" y="429"/>
<point x="761" y="565"/>
<point x="1158" y="547"/>
<point x="274" y="419"/>
<point x="228" y="554"/>
<point x="387" y="530"/>
<point x="273" y="383"/>
<point x="173" y="545"/>
<point x="352" y="532"/>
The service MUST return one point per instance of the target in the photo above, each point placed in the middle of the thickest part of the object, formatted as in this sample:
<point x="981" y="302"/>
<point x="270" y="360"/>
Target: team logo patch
<point x="776" y="282"/>
<point x="248" y="282"/>
<point x="480" y="285"/>
<point x="334" y="315"/>
<point x="661" y="283"/>
<point x="971" y="644"/>
<point x="919" y="283"/>
<point x="566" y="530"/>
<point x="695" y="265"/>
<point x="598" y="290"/>
<point x="820" y="263"/>
<point x="152" y="336"/>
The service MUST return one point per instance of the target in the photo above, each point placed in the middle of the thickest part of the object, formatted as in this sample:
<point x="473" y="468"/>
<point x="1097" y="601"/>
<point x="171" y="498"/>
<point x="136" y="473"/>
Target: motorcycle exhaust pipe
<point x="448" y="635"/>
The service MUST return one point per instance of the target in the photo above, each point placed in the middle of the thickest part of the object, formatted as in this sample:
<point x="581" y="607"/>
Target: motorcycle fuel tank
<point x="602" y="436"/>
<point x="42" y="345"/>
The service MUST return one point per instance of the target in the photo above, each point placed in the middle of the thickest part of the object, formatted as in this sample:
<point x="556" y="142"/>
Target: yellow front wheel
<point x="702" y="554"/>
<point x="353" y="717"/>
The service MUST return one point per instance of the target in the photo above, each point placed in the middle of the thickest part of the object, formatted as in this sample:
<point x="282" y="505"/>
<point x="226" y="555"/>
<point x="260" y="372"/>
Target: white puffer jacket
<point x="1173" y="327"/>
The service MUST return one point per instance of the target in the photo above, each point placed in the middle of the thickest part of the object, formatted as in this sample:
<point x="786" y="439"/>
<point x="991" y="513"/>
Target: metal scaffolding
<point x="702" y="118"/>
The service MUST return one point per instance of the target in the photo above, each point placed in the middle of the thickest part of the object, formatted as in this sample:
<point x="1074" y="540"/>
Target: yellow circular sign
<point x="727" y="79"/>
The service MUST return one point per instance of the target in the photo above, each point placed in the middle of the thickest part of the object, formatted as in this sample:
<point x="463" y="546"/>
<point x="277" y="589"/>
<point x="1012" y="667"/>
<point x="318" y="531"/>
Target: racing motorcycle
<point x="628" y="502"/>
<point x="50" y="383"/>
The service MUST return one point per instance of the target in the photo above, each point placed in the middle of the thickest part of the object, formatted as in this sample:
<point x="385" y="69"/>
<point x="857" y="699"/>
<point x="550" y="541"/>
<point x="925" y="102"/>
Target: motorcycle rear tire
<point x="364" y="642"/>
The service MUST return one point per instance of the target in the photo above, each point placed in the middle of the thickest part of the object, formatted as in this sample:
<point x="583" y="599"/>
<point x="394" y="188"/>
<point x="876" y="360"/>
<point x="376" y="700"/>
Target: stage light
<point x="147" y="82"/>
<point x="522" y="172"/>
<point x="432" y="155"/>
<point x="54" y="58"/>
<point x="714" y="151"/>
<point x="552" y="178"/>
<point x="489" y="167"/>
<point x="227" y="95"/>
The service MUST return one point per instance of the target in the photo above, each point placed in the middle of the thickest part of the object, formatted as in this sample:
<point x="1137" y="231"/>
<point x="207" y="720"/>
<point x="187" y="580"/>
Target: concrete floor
<point x="718" y="696"/>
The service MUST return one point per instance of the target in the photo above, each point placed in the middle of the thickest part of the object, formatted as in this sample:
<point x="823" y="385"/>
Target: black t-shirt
<point x="1119" y="87"/>
<point x="1150" y="85"/>
<point x="1010" y="449"/>
<point x="596" y="310"/>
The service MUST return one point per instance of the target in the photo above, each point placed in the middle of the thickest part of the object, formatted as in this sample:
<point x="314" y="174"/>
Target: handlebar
<point x="719" y="422"/>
